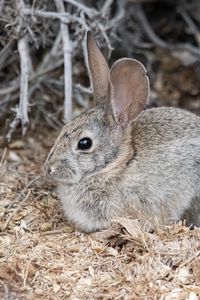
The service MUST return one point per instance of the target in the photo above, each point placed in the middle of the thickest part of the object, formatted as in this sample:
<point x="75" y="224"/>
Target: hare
<point x="118" y="159"/>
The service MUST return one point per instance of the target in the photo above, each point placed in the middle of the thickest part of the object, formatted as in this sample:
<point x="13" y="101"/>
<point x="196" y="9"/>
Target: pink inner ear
<point x="130" y="89"/>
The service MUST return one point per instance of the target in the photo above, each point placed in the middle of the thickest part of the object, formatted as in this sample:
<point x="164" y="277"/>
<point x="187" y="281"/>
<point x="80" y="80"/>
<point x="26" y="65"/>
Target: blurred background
<point x="163" y="34"/>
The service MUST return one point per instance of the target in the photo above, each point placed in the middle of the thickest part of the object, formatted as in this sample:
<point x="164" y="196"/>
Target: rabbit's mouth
<point x="60" y="180"/>
<point x="67" y="175"/>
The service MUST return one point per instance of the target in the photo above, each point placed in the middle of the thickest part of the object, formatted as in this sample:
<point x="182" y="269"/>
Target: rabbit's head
<point x="100" y="139"/>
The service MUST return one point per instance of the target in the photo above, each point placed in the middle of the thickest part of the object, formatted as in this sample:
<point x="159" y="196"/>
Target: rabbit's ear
<point x="98" y="67"/>
<point x="130" y="89"/>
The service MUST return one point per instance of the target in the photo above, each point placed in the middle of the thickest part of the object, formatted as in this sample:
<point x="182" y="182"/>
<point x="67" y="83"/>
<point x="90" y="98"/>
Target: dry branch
<point x="193" y="52"/>
<point x="106" y="7"/>
<point x="17" y="209"/>
<point x="22" y="110"/>
<point x="6" y="291"/>
<point x="67" y="64"/>
<point x="192" y="26"/>
<point x="25" y="67"/>
<point x="53" y="32"/>
<point x="90" y="12"/>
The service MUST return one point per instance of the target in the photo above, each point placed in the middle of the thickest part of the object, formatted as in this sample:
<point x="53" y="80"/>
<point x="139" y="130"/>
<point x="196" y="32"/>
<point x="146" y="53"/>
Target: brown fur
<point x="144" y="164"/>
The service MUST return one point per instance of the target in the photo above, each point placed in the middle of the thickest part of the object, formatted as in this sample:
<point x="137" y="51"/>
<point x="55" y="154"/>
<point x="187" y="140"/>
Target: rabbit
<point x="119" y="159"/>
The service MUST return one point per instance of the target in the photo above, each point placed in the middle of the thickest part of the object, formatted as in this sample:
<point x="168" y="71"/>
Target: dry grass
<point x="42" y="257"/>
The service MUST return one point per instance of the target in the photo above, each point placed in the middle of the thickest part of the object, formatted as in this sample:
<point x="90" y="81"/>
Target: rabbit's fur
<point x="142" y="163"/>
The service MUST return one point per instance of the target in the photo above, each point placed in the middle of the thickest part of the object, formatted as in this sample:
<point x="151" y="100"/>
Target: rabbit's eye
<point x="85" y="143"/>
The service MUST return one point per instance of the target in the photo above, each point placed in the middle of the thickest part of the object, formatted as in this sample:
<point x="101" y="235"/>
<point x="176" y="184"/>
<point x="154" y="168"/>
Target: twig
<point x="22" y="111"/>
<point x="113" y="22"/>
<point x="5" y="53"/>
<point x="159" y="42"/>
<point x="90" y="12"/>
<point x="3" y="158"/>
<point x="106" y="7"/>
<point x="148" y="29"/>
<point x="23" y="191"/>
<point x="64" y="17"/>
<point x="110" y="48"/>
<point x="119" y="15"/>
<point x="50" y="54"/>
<point x="25" y="65"/>
<point x="8" y="99"/>
<point x="26" y="273"/>
<point x="193" y="28"/>
<point x="83" y="89"/>
<point x="55" y="231"/>
<point x="14" y="85"/>
<point x="1" y="6"/>
<point x="191" y="6"/>
<point x="46" y="14"/>
<point x="6" y="292"/>
<point x="142" y="1"/>
<point x="83" y="18"/>
<point x="51" y="120"/>
<point x="67" y="64"/>
<point x="16" y="210"/>
<point x="190" y="259"/>
<point x="79" y="99"/>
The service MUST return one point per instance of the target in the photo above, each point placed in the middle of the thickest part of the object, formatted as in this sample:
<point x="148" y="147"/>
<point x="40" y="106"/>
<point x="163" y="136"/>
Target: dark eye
<point x="85" y="143"/>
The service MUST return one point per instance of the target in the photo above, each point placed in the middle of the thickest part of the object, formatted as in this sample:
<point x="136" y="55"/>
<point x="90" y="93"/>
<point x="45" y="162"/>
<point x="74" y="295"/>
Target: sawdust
<point x="42" y="257"/>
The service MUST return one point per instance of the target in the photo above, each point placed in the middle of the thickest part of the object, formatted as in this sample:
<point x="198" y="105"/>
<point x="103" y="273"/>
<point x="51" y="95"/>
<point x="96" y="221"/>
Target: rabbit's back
<point x="164" y="173"/>
<point x="157" y="126"/>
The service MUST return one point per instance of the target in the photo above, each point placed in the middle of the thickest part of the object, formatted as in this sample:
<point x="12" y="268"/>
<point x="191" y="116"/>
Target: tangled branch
<point x="42" y="49"/>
